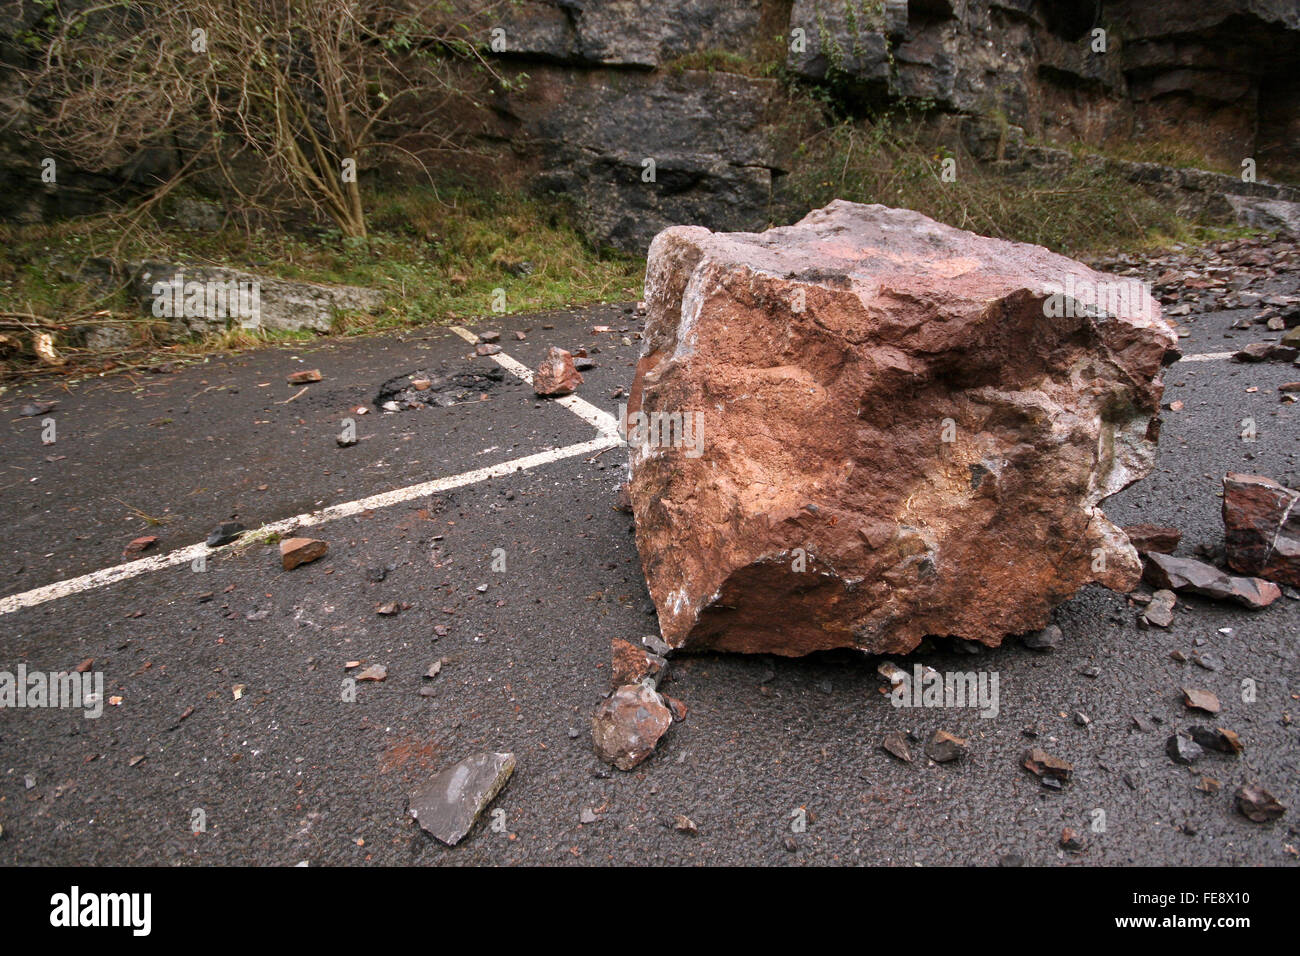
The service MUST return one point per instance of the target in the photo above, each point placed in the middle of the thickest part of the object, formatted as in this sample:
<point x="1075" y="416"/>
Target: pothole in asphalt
<point x="441" y="388"/>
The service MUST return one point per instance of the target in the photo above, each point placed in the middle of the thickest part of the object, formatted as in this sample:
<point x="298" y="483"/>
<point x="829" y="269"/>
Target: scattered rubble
<point x="224" y="533"/>
<point x="1149" y="537"/>
<point x="628" y="725"/>
<point x="1219" y="739"/>
<point x="137" y="545"/>
<point x="895" y="743"/>
<point x="1073" y="840"/>
<point x="296" y="551"/>
<point x="448" y="805"/>
<point x="1043" y="765"/>
<point x="1182" y="749"/>
<point x="1257" y="804"/>
<point x="1159" y="611"/>
<point x="1261" y="520"/>
<point x="304" y="377"/>
<point x="556" y="375"/>
<point x="1043" y="640"/>
<point x="631" y="664"/>
<point x="441" y="389"/>
<point x="944" y="747"/>
<point x="1196" y="577"/>
<point x="1195" y="699"/>
<point x="866" y="473"/>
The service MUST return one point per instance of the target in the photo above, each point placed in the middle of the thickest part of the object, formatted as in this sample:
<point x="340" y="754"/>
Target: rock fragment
<point x="1045" y="639"/>
<point x="296" y="551"/>
<point x="448" y="805"/>
<point x="140" y="544"/>
<point x="556" y="375"/>
<point x="224" y="533"/>
<point x="1159" y="611"/>
<point x="304" y="377"/>
<point x="1261" y="521"/>
<point x="1204" y="700"/>
<point x="1197" y="577"/>
<point x="1219" y="739"/>
<point x="1150" y="537"/>
<point x="1182" y="749"/>
<point x="944" y="747"/>
<point x="895" y="744"/>
<point x="1257" y="804"/>
<point x="1043" y="765"/>
<point x="628" y="725"/>
<point x="1072" y="840"/>
<point x="631" y="664"/>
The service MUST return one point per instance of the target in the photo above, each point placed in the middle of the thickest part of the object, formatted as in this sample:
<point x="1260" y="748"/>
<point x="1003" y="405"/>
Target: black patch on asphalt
<point x="446" y="387"/>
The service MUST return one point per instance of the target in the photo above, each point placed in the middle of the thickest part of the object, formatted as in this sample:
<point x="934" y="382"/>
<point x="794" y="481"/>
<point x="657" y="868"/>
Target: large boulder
<point x="895" y="429"/>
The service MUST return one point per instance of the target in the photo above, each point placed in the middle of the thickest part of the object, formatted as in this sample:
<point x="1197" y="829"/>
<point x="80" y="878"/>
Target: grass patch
<point x="440" y="256"/>
<point x="900" y="163"/>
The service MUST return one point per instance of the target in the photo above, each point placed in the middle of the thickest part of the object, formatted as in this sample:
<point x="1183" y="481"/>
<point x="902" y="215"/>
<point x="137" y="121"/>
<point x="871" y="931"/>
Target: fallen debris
<point x="1159" y="611"/>
<point x="895" y="743"/>
<point x="1188" y="574"/>
<point x="296" y="551"/>
<point x="1257" y="804"/>
<point x="1218" y="739"/>
<point x="1072" y="840"/>
<point x="138" y="545"/>
<point x="556" y="375"/>
<point x="631" y="664"/>
<point x="224" y="533"/>
<point x="847" y="452"/>
<point x="1261" y="521"/>
<point x="1042" y="764"/>
<point x="1266" y="352"/>
<point x="1043" y="640"/>
<point x="448" y="805"/>
<point x="1183" y="750"/>
<point x="1150" y="537"/>
<point x="304" y="377"/>
<point x="441" y="389"/>
<point x="1195" y="699"/>
<point x="629" y="724"/>
<point x="944" y="747"/>
<point x="375" y="672"/>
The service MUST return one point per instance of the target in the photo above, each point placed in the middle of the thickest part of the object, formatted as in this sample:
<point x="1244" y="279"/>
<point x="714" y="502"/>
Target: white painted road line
<point x="1208" y="357"/>
<point x="121" y="572"/>
<point x="602" y="420"/>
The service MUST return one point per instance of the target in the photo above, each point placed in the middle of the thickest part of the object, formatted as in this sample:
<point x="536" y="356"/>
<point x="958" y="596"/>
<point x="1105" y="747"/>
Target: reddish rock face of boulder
<point x="1261" y="521"/>
<point x="869" y="427"/>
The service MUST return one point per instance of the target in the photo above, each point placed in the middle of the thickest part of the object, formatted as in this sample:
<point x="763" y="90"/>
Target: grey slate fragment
<point x="448" y="805"/>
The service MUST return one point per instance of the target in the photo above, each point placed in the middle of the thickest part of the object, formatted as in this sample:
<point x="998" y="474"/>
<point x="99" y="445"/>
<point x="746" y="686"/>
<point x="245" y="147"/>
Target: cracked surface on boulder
<point x="827" y="362"/>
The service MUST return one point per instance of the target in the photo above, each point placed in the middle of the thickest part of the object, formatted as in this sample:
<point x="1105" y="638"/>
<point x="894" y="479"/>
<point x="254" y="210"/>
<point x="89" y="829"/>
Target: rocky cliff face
<point x="1218" y="75"/>
<point x="689" y="85"/>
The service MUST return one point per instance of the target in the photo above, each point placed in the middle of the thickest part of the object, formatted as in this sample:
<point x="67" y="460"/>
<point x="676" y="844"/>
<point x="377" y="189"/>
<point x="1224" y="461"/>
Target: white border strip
<point x="122" y="572"/>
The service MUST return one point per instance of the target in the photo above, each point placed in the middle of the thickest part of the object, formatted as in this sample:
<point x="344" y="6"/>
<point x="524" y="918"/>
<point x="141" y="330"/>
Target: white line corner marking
<point x="605" y="423"/>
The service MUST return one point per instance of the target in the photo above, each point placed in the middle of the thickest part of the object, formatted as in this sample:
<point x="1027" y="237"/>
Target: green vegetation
<point x="900" y="162"/>
<point x="439" y="256"/>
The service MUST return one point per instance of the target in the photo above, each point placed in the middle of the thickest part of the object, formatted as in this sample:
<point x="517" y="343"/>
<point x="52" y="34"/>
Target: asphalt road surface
<point x="230" y="673"/>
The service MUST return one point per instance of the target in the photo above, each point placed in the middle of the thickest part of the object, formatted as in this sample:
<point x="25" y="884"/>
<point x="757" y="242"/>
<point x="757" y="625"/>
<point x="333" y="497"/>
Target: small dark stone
<point x="944" y="747"/>
<point x="1183" y="750"/>
<point x="224" y="533"/>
